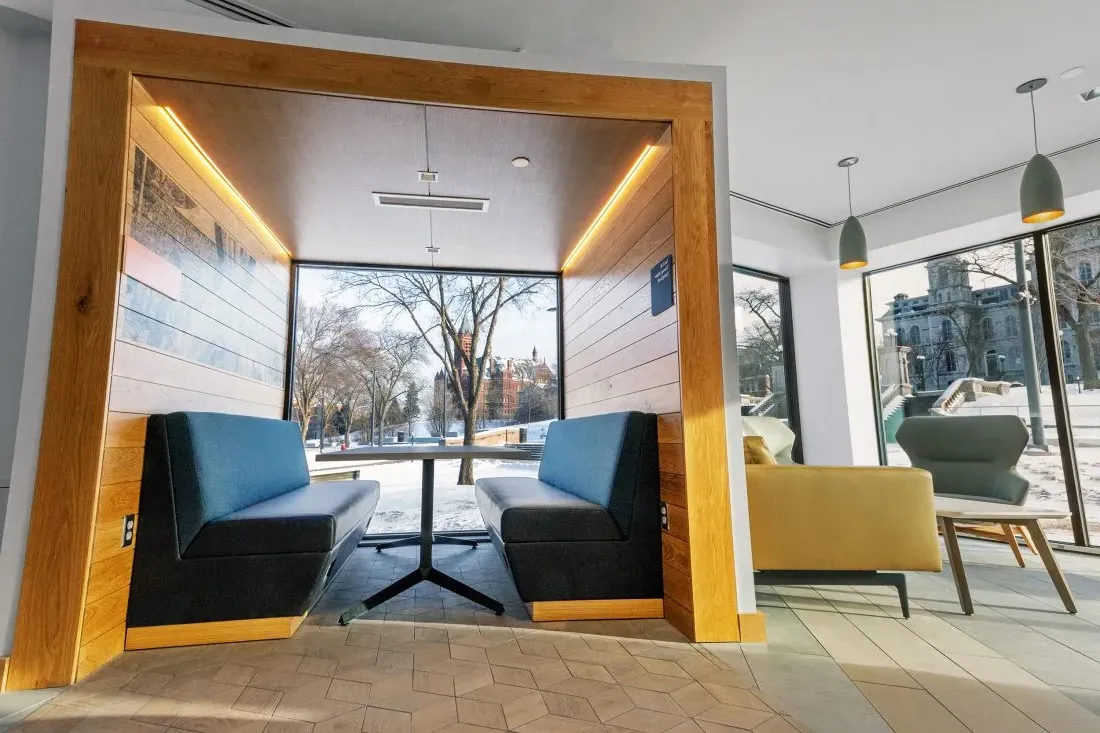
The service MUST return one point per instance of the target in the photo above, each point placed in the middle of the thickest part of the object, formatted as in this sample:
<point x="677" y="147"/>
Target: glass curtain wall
<point x="765" y="350"/>
<point x="966" y="334"/>
<point x="420" y="356"/>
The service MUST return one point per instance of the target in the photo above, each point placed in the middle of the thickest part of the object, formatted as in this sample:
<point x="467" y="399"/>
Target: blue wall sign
<point x="660" y="286"/>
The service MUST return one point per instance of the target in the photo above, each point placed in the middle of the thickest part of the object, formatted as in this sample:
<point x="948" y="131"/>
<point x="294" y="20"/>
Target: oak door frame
<point x="106" y="57"/>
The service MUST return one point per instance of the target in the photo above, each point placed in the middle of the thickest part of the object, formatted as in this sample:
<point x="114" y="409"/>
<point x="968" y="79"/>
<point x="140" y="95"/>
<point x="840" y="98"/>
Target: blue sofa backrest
<point x="224" y="463"/>
<point x="598" y="459"/>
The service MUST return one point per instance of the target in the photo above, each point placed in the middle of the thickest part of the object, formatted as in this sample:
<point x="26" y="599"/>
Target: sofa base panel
<point x="212" y="632"/>
<point x="596" y="609"/>
<point x="837" y="577"/>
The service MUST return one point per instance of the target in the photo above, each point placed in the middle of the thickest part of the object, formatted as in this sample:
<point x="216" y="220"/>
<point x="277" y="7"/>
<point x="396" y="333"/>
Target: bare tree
<point x="761" y="338"/>
<point x="400" y="354"/>
<point x="321" y="339"/>
<point x="351" y="391"/>
<point x="1077" y="291"/>
<point x="446" y="309"/>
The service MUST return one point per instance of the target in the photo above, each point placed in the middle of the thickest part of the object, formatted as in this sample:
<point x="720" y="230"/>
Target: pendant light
<point x="1041" y="196"/>
<point x="853" y="242"/>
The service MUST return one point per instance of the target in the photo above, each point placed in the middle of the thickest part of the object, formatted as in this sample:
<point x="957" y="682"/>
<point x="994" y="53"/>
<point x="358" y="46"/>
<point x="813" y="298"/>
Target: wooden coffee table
<point x="949" y="511"/>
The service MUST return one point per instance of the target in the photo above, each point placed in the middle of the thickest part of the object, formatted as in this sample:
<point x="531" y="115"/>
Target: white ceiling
<point x="921" y="91"/>
<point x="309" y="163"/>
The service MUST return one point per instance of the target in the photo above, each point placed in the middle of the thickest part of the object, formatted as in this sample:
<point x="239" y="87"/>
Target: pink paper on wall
<point x="149" y="268"/>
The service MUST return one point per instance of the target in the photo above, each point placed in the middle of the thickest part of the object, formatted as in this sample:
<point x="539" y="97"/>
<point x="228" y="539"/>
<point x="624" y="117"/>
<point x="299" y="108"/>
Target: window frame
<point x="1052" y="342"/>
<point x="786" y="328"/>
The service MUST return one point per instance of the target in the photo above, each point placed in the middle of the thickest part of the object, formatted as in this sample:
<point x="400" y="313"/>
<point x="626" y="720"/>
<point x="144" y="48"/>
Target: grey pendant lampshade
<point x="853" y="245"/>
<point x="853" y="241"/>
<point x="1041" y="197"/>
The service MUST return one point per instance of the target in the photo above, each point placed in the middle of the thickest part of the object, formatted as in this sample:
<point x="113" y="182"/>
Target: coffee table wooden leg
<point x="1040" y="539"/>
<point x="1010" y="538"/>
<point x="954" y="557"/>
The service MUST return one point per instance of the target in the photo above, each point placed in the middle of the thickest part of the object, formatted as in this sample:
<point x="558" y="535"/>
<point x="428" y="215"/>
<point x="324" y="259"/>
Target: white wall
<point x="134" y="13"/>
<point x="24" y="74"/>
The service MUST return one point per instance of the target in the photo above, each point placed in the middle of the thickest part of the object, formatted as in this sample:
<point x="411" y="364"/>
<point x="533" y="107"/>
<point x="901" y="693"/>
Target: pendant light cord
<point x="848" y="170"/>
<point x="428" y="167"/>
<point x="1034" y="123"/>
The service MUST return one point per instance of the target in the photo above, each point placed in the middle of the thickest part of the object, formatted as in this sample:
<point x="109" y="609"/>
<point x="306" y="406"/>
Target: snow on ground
<point x="1043" y="468"/>
<point x="399" y="503"/>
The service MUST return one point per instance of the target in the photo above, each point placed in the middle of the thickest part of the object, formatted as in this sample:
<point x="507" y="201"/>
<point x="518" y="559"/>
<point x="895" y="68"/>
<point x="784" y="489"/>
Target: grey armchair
<point x="972" y="457"/>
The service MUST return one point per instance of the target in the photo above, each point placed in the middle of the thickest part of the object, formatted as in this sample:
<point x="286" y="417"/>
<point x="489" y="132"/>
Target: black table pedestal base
<point x="414" y="540"/>
<point x="425" y="572"/>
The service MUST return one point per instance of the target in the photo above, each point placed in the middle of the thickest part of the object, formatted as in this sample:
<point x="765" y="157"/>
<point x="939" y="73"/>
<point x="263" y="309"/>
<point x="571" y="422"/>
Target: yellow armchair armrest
<point x="842" y="518"/>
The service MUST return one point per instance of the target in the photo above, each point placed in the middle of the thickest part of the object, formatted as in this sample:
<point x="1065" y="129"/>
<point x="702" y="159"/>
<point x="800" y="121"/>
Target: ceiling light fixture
<point x="521" y="161"/>
<point x="1090" y="94"/>
<point x="1073" y="73"/>
<point x="430" y="202"/>
<point x="853" y="240"/>
<point x="189" y="138"/>
<point x="583" y="241"/>
<point x="427" y="176"/>
<point x="1041" y="197"/>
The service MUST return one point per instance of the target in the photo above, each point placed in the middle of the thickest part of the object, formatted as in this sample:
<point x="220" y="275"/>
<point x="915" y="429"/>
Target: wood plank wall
<point x="215" y="341"/>
<point x="619" y="357"/>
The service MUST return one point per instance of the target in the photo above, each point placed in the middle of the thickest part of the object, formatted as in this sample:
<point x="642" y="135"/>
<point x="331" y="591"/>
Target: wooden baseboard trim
<point x="599" y="609"/>
<point x="752" y="627"/>
<point x="3" y="674"/>
<point x="213" y="632"/>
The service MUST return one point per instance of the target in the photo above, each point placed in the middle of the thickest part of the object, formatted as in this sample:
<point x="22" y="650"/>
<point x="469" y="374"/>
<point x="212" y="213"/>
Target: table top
<point x="409" y="452"/>
<point x="991" y="511"/>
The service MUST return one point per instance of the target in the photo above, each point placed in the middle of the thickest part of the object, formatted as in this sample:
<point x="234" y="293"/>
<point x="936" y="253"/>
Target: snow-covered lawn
<point x="1043" y="468"/>
<point x="399" y="504"/>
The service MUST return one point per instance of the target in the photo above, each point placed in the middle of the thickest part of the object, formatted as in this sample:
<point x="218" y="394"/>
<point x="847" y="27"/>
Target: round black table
<point x="427" y="454"/>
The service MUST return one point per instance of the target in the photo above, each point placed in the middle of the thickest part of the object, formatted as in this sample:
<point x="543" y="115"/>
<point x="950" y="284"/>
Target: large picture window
<point x="1015" y="333"/>
<point x="765" y="350"/>
<point x="387" y="356"/>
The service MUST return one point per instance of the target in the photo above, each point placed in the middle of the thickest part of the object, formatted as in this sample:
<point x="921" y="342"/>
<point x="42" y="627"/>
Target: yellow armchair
<point x="832" y="524"/>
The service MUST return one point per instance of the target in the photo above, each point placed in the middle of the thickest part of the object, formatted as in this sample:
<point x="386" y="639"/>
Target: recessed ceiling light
<point x="521" y="162"/>
<point x="1073" y="73"/>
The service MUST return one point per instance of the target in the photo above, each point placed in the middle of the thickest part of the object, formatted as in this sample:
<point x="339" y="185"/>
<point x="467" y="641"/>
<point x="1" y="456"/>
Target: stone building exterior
<point x="955" y="324"/>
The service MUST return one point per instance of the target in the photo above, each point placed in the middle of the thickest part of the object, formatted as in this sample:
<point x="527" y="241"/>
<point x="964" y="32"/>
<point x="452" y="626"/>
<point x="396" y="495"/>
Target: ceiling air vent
<point x="435" y="203"/>
<point x="239" y="10"/>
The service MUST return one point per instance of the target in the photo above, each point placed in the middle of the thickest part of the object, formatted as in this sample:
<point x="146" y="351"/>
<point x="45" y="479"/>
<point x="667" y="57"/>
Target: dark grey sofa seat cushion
<point x="223" y="463"/>
<point x="596" y="458"/>
<point x="524" y="509"/>
<point x="313" y="518"/>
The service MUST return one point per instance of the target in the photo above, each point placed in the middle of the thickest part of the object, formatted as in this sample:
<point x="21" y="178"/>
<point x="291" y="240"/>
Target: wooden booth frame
<point x="46" y="650"/>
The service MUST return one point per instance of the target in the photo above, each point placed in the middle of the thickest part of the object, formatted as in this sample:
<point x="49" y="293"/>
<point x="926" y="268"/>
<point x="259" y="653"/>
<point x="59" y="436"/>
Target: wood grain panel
<point x="107" y="542"/>
<point x="136" y="361"/>
<point x="636" y="305"/>
<point x="671" y="457"/>
<point x="676" y="554"/>
<point x="657" y="373"/>
<point x="673" y="489"/>
<point x="130" y="395"/>
<point x="122" y="465"/>
<point x="100" y="650"/>
<point x="657" y="400"/>
<point x="55" y="572"/>
<point x="212" y="632"/>
<point x="702" y="394"/>
<point x="640" y="336"/>
<point x="677" y="585"/>
<point x="670" y="428"/>
<point x="109" y="575"/>
<point x="680" y="617"/>
<point x="3" y="673"/>
<point x="104" y="614"/>
<point x="274" y="66"/>
<point x="678" y="522"/>
<point x="595" y="610"/>
<point x="125" y="430"/>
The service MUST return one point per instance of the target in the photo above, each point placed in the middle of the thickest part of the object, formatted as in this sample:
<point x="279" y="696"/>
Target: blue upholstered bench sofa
<point x="230" y="526"/>
<point x="589" y="526"/>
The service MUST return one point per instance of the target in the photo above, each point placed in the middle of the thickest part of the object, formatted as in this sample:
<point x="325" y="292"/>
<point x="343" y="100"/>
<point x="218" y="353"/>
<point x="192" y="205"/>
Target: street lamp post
<point x="920" y="368"/>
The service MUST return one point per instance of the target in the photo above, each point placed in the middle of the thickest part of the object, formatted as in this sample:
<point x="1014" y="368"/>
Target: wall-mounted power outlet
<point x="664" y="515"/>
<point x="128" y="530"/>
